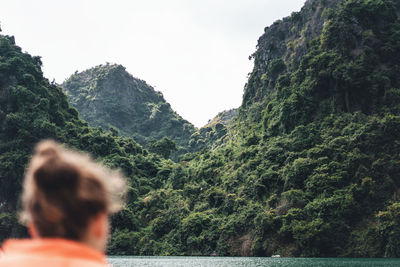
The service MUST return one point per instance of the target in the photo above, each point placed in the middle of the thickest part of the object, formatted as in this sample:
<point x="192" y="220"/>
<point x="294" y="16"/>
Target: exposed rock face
<point x="282" y="46"/>
<point x="225" y="117"/>
<point x="215" y="132"/>
<point x="241" y="245"/>
<point x="108" y="96"/>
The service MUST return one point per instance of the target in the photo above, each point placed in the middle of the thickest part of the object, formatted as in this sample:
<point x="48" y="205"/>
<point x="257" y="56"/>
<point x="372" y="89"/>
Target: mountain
<point x="216" y="132"/>
<point x="32" y="109"/>
<point x="108" y="96"/>
<point x="311" y="165"/>
<point x="225" y="117"/>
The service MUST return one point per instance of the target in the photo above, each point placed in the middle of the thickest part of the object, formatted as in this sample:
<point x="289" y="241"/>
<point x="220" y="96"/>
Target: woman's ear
<point x="98" y="231"/>
<point x="100" y="226"/>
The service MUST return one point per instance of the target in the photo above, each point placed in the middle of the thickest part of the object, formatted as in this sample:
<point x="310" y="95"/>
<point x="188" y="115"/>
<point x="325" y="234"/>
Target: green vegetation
<point x="162" y="147"/>
<point x="310" y="166"/>
<point x="32" y="109"/>
<point x="108" y="96"/>
<point x="216" y="132"/>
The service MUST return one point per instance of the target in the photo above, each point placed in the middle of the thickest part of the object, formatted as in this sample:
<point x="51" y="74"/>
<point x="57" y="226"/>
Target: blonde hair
<point x="64" y="189"/>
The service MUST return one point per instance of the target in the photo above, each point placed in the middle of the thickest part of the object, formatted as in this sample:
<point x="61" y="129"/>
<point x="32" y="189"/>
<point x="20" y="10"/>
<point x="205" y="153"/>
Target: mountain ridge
<point x="108" y="96"/>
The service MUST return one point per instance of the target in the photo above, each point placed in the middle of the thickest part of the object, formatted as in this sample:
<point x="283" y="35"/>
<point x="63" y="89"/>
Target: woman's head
<point x="65" y="191"/>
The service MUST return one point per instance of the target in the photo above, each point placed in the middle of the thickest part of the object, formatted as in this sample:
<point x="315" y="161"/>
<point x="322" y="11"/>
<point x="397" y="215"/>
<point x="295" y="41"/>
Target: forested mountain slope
<point x="32" y="109"/>
<point x="225" y="117"/>
<point x="108" y="96"/>
<point x="312" y="166"/>
<point x="215" y="133"/>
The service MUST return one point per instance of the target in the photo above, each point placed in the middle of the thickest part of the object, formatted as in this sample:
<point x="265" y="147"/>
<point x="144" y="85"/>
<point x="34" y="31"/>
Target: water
<point x="246" y="261"/>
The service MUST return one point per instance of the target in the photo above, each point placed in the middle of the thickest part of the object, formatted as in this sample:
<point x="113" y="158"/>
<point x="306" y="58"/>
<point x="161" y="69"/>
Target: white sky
<point x="194" y="51"/>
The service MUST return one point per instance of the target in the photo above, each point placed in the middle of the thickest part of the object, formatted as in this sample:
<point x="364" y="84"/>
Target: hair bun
<point x="54" y="176"/>
<point x="47" y="148"/>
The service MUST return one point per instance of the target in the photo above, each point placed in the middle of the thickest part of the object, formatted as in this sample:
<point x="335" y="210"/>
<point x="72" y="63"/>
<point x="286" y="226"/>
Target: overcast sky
<point x="194" y="51"/>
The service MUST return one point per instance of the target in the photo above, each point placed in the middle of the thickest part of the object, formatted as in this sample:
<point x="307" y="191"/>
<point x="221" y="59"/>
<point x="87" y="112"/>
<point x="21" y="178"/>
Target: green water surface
<point x="249" y="261"/>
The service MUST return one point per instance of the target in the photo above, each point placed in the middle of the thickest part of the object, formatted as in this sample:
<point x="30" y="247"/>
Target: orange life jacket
<point x="50" y="252"/>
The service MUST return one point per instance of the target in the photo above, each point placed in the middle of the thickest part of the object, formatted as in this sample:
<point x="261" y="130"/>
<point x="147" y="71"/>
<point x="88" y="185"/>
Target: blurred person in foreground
<point x="66" y="199"/>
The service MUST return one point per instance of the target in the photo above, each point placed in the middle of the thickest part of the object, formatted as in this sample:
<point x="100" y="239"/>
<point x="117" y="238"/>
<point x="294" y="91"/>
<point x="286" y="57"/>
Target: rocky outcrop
<point x="282" y="46"/>
<point x="225" y="117"/>
<point x="108" y="96"/>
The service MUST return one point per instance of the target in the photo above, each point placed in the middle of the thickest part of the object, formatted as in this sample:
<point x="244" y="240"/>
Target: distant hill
<point x="108" y="96"/>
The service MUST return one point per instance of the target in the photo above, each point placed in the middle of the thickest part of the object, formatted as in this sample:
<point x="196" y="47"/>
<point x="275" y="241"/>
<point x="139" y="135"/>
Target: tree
<point x="163" y="147"/>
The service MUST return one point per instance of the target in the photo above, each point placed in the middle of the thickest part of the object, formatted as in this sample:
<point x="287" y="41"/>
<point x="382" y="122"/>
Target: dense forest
<point x="310" y="165"/>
